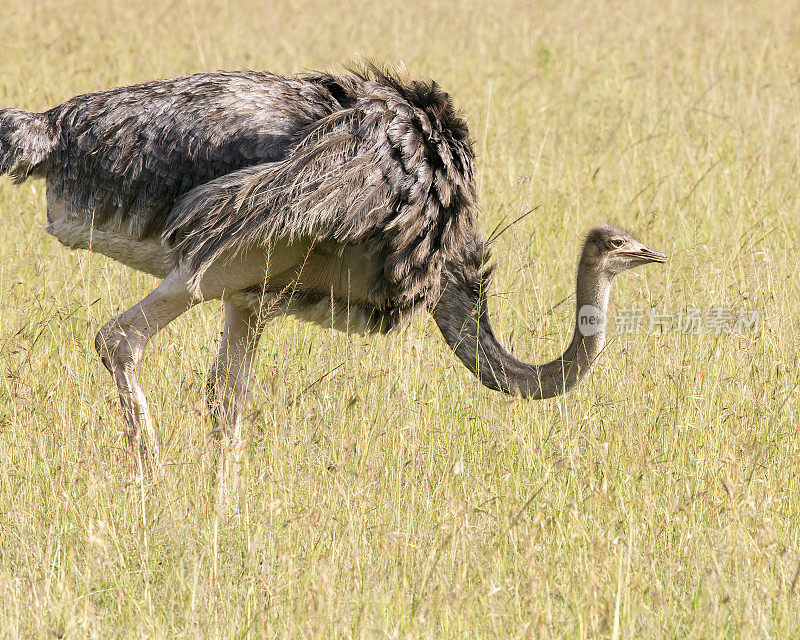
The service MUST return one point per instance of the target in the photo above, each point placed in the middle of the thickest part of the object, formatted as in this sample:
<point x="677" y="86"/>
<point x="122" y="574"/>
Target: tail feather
<point x="27" y="144"/>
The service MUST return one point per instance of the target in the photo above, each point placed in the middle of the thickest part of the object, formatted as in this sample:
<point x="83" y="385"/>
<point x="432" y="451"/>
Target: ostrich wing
<point x="126" y="155"/>
<point x="328" y="189"/>
<point x="394" y="171"/>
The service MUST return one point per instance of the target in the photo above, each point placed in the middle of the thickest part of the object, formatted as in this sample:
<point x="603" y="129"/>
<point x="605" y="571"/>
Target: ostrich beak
<point x="644" y="255"/>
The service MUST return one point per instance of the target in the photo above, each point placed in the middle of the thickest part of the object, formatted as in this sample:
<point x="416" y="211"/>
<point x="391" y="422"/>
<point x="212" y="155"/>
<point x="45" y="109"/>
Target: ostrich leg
<point x="229" y="396"/>
<point x="121" y="342"/>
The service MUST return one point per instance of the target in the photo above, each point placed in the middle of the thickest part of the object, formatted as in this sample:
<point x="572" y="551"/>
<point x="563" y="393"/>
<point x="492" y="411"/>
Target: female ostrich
<point x="348" y="200"/>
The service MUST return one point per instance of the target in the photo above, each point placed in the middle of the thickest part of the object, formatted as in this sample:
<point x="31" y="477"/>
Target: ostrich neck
<point x="463" y="319"/>
<point x="567" y="371"/>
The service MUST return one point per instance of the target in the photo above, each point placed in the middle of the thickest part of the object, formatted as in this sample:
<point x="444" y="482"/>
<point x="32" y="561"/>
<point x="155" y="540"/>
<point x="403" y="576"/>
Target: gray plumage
<point x="218" y="161"/>
<point x="27" y="144"/>
<point x="393" y="170"/>
<point x="128" y="154"/>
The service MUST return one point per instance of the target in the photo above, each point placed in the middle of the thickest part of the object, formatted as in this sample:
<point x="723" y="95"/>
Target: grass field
<point x="387" y="493"/>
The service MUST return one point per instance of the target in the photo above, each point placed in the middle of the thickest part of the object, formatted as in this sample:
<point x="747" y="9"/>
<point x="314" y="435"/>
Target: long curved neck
<point x="463" y="319"/>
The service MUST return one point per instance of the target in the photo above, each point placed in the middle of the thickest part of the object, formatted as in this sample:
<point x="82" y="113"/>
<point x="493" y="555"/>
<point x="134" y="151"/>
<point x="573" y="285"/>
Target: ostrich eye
<point x="616" y="243"/>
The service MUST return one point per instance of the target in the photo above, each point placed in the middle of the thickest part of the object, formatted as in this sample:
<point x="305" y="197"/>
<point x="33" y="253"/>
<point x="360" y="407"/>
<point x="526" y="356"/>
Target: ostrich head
<point x="612" y="250"/>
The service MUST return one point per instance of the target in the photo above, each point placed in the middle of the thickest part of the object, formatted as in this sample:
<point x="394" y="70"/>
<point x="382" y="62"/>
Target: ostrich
<point x="348" y="200"/>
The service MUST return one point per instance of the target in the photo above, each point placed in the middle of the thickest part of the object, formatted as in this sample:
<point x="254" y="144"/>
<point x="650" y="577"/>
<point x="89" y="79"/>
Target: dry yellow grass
<point x="397" y="497"/>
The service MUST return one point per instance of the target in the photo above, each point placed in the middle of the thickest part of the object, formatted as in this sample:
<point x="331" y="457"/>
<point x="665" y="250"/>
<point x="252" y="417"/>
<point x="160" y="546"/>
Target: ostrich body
<point x="348" y="200"/>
